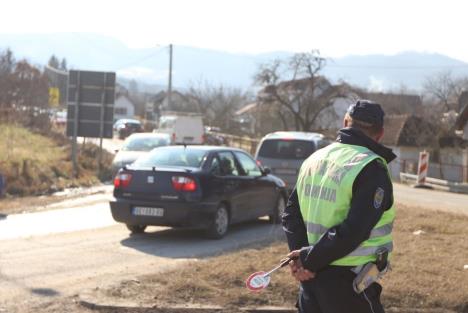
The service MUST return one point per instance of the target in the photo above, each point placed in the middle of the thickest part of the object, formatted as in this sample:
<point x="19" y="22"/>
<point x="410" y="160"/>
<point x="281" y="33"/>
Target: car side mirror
<point x="266" y="171"/>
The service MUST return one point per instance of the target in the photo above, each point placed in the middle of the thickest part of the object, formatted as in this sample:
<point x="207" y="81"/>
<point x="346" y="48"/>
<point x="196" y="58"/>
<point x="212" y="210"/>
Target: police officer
<point x="340" y="214"/>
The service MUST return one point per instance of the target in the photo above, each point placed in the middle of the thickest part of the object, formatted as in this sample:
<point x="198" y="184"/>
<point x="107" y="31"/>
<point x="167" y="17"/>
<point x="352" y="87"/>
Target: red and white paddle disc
<point x="257" y="281"/>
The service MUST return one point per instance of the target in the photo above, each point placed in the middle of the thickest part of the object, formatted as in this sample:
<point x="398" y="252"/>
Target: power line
<point x="149" y="56"/>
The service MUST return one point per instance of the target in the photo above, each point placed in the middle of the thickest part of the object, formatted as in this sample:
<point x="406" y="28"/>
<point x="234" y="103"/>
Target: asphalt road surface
<point x="77" y="245"/>
<point x="65" y="251"/>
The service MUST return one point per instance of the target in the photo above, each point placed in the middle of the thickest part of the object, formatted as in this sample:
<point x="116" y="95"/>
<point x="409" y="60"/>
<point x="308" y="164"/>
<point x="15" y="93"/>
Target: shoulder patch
<point x="378" y="197"/>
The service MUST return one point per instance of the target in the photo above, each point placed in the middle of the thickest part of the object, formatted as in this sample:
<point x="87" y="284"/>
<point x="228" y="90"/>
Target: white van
<point x="184" y="128"/>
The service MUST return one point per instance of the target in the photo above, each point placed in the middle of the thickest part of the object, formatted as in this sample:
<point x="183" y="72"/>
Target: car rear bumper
<point x="187" y="214"/>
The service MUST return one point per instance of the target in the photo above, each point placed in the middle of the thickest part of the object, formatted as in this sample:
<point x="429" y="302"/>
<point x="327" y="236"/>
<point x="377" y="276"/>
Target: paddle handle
<point x="282" y="264"/>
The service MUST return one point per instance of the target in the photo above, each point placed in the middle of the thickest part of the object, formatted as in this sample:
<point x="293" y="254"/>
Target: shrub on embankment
<point x="35" y="164"/>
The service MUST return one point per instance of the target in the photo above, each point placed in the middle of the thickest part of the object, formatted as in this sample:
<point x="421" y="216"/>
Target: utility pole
<point x="169" y="87"/>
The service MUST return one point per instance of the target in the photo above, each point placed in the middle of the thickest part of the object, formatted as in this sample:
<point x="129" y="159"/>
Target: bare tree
<point x="296" y="89"/>
<point x="218" y="104"/>
<point x="7" y="66"/>
<point x="446" y="90"/>
<point x="23" y="93"/>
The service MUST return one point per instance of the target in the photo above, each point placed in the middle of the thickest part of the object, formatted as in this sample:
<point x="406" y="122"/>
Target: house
<point x="407" y="135"/>
<point x="395" y="103"/>
<point x="257" y="119"/>
<point x="247" y="117"/>
<point x="123" y="107"/>
<point x="461" y="124"/>
<point x="179" y="102"/>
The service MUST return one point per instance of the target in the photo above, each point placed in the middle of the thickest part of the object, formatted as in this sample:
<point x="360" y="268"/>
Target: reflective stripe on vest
<point x="324" y="189"/>
<point x="318" y="229"/>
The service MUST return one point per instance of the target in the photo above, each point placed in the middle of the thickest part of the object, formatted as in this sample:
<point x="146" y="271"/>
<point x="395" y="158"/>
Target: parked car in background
<point x="283" y="152"/>
<point x="137" y="145"/>
<point x="59" y="118"/>
<point x="125" y="127"/>
<point x="184" y="128"/>
<point x="213" y="136"/>
<point x="198" y="186"/>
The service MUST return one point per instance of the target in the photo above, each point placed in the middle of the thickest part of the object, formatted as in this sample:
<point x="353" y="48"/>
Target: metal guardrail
<point x="436" y="183"/>
<point x="243" y="142"/>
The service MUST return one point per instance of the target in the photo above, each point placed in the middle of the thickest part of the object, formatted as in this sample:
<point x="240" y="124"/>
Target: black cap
<point x="367" y="111"/>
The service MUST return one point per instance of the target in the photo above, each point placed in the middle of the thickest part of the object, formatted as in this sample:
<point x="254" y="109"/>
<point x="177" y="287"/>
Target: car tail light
<point x="122" y="180"/>
<point x="259" y="163"/>
<point x="183" y="183"/>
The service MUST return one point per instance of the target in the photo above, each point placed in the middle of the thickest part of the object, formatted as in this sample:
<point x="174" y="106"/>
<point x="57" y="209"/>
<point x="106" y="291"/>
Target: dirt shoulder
<point x="429" y="272"/>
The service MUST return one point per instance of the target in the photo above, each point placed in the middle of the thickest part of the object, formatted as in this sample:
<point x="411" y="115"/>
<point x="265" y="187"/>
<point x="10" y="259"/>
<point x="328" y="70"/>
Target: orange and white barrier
<point x="423" y="166"/>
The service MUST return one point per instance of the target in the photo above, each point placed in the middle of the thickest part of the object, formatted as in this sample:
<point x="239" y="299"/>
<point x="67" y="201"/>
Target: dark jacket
<point x="362" y="217"/>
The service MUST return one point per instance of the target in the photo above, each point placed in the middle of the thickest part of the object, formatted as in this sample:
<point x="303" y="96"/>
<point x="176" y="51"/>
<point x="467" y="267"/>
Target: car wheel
<point x="275" y="217"/>
<point x="220" y="223"/>
<point x="136" y="229"/>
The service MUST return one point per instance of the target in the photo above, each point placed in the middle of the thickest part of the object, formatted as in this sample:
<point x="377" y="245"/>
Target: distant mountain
<point x="193" y="65"/>
<point x="382" y="72"/>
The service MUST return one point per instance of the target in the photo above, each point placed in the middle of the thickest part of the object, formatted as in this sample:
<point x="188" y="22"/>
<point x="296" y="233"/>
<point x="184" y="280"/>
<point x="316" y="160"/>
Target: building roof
<point x="246" y="108"/>
<point x="463" y="116"/>
<point x="395" y="103"/>
<point x="408" y="130"/>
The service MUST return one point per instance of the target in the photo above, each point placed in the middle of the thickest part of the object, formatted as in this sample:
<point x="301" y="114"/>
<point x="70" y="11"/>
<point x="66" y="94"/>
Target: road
<point x="431" y="199"/>
<point x="62" y="252"/>
<point x="76" y="245"/>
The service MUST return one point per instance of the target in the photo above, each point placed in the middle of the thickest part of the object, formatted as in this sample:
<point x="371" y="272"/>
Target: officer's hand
<point x="293" y="265"/>
<point x="297" y="270"/>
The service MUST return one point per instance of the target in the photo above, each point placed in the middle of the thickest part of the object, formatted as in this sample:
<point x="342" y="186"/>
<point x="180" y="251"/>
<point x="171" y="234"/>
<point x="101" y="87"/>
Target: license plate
<point x="146" y="211"/>
<point x="285" y="171"/>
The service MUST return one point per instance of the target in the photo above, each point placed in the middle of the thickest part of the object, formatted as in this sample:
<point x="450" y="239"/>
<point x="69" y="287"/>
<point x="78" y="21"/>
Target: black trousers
<point x="331" y="291"/>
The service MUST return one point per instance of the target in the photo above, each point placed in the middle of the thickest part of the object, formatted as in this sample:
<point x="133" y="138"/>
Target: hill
<point x="192" y="65"/>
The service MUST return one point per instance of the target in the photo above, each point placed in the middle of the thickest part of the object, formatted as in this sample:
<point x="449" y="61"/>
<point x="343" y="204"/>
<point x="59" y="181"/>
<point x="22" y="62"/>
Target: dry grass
<point x="35" y="164"/>
<point x="427" y="271"/>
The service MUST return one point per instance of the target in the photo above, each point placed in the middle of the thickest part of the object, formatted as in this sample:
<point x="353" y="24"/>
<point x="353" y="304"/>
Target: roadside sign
<point x="90" y="110"/>
<point x="54" y="96"/>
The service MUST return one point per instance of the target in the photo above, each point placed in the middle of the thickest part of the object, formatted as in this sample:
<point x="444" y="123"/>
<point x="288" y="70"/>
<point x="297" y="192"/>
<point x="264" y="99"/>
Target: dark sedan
<point x="195" y="186"/>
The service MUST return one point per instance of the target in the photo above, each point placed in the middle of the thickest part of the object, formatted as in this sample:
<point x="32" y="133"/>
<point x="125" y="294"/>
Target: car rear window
<point x="286" y="149"/>
<point x="176" y="156"/>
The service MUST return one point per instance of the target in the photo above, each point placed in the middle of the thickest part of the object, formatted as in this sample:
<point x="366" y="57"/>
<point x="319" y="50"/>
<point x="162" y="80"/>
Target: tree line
<point x="23" y="91"/>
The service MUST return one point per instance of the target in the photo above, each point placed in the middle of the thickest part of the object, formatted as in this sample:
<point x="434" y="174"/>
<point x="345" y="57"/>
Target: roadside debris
<point x="419" y="232"/>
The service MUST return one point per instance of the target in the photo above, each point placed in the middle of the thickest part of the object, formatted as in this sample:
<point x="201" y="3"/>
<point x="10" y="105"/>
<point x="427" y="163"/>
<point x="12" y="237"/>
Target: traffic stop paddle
<point x="260" y="280"/>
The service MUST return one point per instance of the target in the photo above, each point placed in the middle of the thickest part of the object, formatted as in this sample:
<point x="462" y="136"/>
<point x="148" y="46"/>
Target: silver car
<point x="137" y="145"/>
<point x="283" y="152"/>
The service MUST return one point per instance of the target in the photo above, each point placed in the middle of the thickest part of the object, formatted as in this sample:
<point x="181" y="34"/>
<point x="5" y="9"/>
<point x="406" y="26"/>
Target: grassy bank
<point x="428" y="271"/>
<point x="34" y="164"/>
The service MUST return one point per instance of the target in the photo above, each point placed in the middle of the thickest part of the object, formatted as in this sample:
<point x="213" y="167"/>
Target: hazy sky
<point x="334" y="27"/>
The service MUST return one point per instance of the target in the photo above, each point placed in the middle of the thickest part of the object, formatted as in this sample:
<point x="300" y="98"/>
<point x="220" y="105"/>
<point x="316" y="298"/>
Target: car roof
<point x="294" y="135"/>
<point x="127" y="120"/>
<point x="202" y="147"/>
<point x="149" y="135"/>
